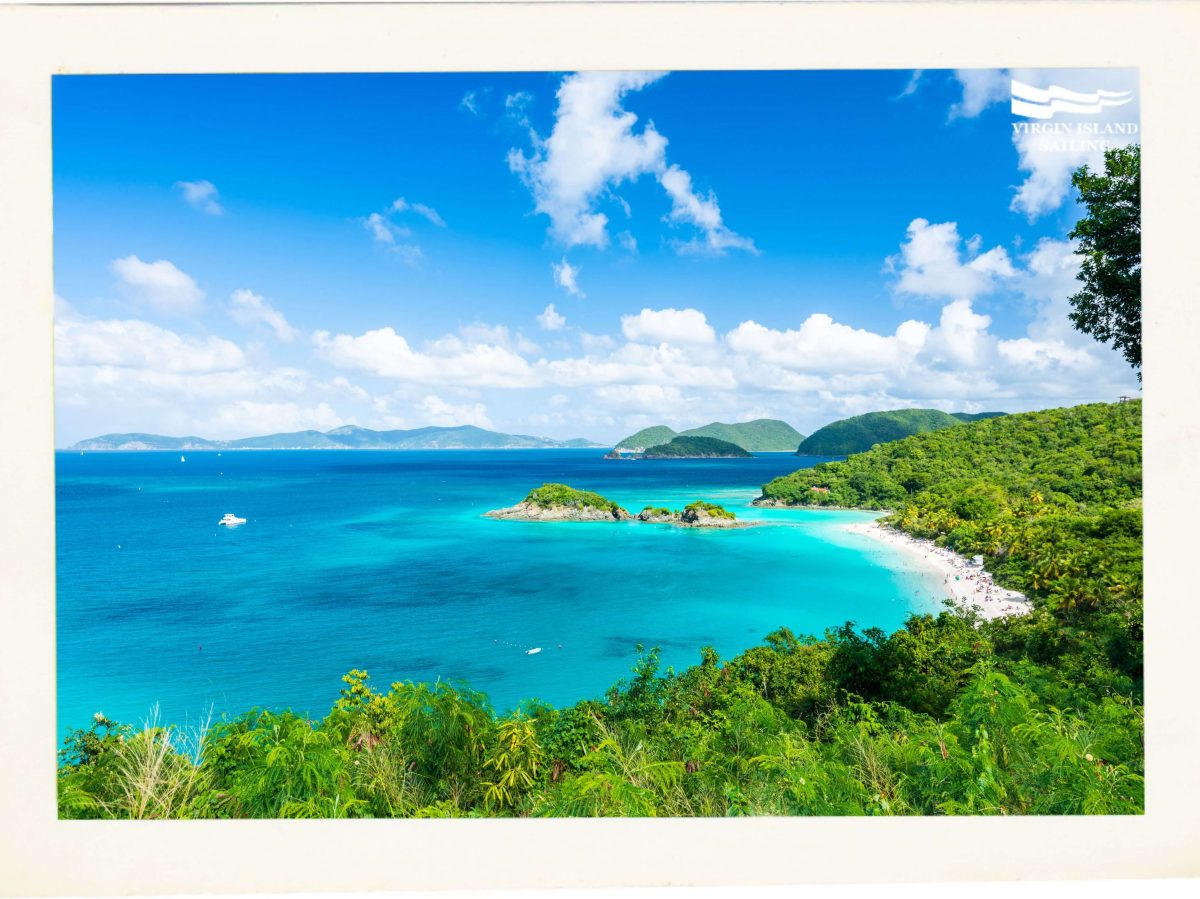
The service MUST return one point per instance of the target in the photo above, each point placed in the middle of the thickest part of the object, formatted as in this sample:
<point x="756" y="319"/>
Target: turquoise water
<point x="381" y="560"/>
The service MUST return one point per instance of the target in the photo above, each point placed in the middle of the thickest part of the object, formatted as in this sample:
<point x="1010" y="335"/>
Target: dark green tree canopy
<point x="1109" y="307"/>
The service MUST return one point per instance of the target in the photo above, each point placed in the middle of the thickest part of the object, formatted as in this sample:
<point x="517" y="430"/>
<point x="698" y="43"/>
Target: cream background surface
<point x="41" y="855"/>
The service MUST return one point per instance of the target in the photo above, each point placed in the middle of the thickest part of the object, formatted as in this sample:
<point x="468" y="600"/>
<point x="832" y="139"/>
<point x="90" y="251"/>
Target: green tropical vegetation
<point x="1109" y="306"/>
<point x="860" y="433"/>
<point x="950" y="715"/>
<point x="561" y="495"/>
<point x="695" y="447"/>
<point x="713" y="510"/>
<point x="647" y="437"/>
<point x="763" y="435"/>
<point x="976" y="416"/>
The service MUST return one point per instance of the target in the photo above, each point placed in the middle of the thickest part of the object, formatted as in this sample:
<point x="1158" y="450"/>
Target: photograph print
<point x="598" y="444"/>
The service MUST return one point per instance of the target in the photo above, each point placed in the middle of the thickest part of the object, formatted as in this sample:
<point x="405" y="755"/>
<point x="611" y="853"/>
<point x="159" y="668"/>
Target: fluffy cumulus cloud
<point x="596" y="146"/>
<point x="159" y="285"/>
<point x="566" y="276"/>
<point x="551" y="320"/>
<point x="450" y="360"/>
<point x="931" y="263"/>
<point x="821" y="344"/>
<point x="201" y="195"/>
<point x="250" y="310"/>
<point x="134" y="344"/>
<point x="675" y="326"/>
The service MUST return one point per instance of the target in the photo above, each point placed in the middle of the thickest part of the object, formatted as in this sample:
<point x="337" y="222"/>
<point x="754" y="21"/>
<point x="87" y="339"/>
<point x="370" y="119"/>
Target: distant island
<point x="347" y="437"/>
<point x="763" y="435"/>
<point x="696" y="448"/>
<point x="560" y="502"/>
<point x="860" y="433"/>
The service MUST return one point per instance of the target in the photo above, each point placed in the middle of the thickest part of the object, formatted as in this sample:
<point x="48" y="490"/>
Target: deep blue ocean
<point x="381" y="560"/>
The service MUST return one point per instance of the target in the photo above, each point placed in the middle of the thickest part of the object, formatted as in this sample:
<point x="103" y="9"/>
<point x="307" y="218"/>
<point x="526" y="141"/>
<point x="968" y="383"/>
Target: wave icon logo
<point x="1043" y="103"/>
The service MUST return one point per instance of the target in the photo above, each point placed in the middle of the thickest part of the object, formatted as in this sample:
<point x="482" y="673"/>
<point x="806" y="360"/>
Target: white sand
<point x="968" y="585"/>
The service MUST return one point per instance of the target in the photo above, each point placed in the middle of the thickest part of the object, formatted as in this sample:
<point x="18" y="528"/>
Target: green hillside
<point x="647" y="437"/>
<point x="854" y="435"/>
<point x="695" y="448"/>
<point x="763" y="435"/>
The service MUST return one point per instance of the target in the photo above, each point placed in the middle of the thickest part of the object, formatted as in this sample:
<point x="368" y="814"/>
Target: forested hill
<point x="763" y="435"/>
<point x="1078" y="455"/>
<point x="860" y="433"/>
<point x="1052" y="499"/>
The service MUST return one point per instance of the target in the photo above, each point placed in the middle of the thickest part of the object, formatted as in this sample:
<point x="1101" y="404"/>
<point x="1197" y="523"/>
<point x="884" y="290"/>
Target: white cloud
<point x="593" y="148"/>
<point x="981" y="88"/>
<point x="244" y="418"/>
<point x="914" y="82"/>
<point x="442" y="414"/>
<point x="628" y="242"/>
<point x="385" y="353"/>
<point x="201" y="195"/>
<point x="382" y="230"/>
<point x="634" y="363"/>
<point x="550" y="320"/>
<point x="482" y="333"/>
<point x="516" y="107"/>
<point x="660" y="399"/>
<point x="930" y="263"/>
<point x="470" y="102"/>
<point x="592" y="145"/>
<point x="674" y="326"/>
<point x="566" y="276"/>
<point x="140" y="345"/>
<point x="703" y="212"/>
<point x="159" y="285"/>
<point x="250" y="310"/>
<point x="427" y="212"/>
<point x="822" y="345"/>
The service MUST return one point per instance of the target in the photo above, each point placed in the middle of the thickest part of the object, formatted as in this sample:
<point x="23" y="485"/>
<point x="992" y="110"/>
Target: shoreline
<point x="970" y="587"/>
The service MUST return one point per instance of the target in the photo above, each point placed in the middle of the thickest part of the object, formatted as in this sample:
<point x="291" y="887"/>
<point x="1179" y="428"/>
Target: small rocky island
<point x="696" y="448"/>
<point x="694" y="515"/>
<point x="559" y="502"/>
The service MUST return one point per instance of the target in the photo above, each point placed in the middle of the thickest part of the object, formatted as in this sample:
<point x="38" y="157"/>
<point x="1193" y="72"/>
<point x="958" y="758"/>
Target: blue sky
<point x="560" y="254"/>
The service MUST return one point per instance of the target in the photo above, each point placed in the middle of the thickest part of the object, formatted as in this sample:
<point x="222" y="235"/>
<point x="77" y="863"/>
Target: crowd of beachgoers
<point x="964" y="581"/>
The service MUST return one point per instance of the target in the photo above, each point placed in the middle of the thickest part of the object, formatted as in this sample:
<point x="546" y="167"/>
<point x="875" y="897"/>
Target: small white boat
<point x="231" y="520"/>
<point x="182" y="459"/>
<point x="534" y="651"/>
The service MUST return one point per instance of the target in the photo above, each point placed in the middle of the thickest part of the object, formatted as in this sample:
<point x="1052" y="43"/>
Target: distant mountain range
<point x="763" y="435"/>
<point x="860" y="433"/>
<point x="348" y="437"/>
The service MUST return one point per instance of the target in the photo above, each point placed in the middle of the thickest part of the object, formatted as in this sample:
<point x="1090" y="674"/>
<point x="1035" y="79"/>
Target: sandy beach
<point x="970" y="586"/>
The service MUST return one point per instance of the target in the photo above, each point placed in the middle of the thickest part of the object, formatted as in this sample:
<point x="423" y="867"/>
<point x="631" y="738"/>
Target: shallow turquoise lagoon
<point x="381" y="560"/>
